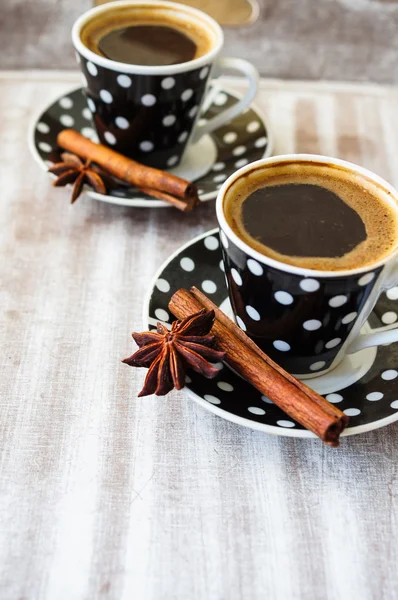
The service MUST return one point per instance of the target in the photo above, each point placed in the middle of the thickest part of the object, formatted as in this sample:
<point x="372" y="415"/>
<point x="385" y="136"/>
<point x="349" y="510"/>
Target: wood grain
<point x="106" y="496"/>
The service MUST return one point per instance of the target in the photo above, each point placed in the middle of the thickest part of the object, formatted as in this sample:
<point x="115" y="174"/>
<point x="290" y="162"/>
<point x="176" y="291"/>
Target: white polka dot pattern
<point x="352" y="412"/>
<point x="284" y="298"/>
<point x="211" y="242"/>
<point x="168" y="83"/>
<point x="106" y="96"/>
<point x="255" y="410"/>
<point x="124" y="81"/>
<point x="122" y="123"/>
<point x="253" y="313"/>
<point x="374" y="396"/>
<point x="209" y="287"/>
<point x="236" y="277"/>
<point x="148" y="100"/>
<point x="389" y="375"/>
<point x="309" y="285"/>
<point x="241" y="323"/>
<point x="334" y="398"/>
<point x="255" y="267"/>
<point x="337" y="301"/>
<point x="110" y="138"/>
<point x="281" y="345"/>
<point x="365" y="279"/>
<point x="312" y="324"/>
<point x="162" y="314"/>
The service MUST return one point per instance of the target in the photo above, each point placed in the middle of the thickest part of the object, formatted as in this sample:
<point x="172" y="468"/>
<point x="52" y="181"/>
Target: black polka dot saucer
<point x="208" y="163"/>
<point x="364" y="386"/>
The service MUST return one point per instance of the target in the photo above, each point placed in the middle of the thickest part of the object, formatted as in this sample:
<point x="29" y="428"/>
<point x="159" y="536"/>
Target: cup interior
<point x="92" y="25"/>
<point x="243" y="179"/>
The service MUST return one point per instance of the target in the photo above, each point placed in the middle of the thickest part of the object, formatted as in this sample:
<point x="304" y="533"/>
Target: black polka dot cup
<point x="306" y="320"/>
<point x="151" y="113"/>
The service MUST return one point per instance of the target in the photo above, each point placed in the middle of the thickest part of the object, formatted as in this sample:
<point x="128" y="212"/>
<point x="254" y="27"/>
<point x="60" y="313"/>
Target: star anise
<point x="169" y="353"/>
<point x="73" y="170"/>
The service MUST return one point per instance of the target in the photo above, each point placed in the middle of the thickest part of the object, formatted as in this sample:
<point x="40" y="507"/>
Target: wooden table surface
<point x="106" y="496"/>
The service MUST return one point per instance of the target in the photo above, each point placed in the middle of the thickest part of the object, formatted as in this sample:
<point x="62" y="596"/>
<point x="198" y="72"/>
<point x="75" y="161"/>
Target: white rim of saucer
<point x="263" y="162"/>
<point x="120" y="67"/>
<point x="140" y="202"/>
<point x="220" y="412"/>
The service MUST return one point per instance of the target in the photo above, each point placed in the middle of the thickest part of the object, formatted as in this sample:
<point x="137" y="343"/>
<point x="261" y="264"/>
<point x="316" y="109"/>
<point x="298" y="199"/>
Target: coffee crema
<point x="150" y="36"/>
<point x="313" y="215"/>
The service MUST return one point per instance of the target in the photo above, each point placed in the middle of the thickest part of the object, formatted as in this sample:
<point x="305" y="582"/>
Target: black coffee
<point x="146" y="35"/>
<point x="311" y="215"/>
<point x="302" y="219"/>
<point x="147" y="45"/>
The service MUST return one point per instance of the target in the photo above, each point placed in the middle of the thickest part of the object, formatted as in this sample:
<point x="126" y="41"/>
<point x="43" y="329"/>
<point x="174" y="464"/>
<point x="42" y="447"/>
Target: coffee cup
<point x="151" y="112"/>
<point x="309" y="319"/>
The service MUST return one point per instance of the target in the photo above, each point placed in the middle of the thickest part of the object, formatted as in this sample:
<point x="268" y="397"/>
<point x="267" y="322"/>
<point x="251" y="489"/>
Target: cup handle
<point x="246" y="69"/>
<point x="379" y="335"/>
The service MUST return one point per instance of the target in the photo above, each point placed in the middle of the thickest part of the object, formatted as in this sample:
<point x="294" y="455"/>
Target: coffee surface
<point x="139" y="35"/>
<point x="300" y="219"/>
<point x="147" y="45"/>
<point x="313" y="215"/>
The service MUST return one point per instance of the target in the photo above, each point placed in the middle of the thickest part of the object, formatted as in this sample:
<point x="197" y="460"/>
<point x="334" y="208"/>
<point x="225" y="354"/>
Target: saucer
<point x="364" y="386"/>
<point x="208" y="162"/>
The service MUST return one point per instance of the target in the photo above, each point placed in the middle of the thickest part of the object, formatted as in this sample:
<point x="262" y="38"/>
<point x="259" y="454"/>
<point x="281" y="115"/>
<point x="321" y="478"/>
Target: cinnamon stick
<point x="291" y="395"/>
<point x="154" y="181"/>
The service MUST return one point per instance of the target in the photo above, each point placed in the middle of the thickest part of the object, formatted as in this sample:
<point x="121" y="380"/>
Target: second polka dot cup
<point x="306" y="320"/>
<point x="151" y="113"/>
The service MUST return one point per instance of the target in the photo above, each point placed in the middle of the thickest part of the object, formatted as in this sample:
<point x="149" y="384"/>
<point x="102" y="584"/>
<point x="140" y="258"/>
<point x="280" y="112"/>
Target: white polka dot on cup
<point x="182" y="137"/>
<point x="284" y="298"/>
<point x="394" y="404"/>
<point x="172" y="160"/>
<point x="285" y="423"/>
<point x="332" y="343"/>
<point x="312" y="324"/>
<point x="86" y="113"/>
<point x="253" y="313"/>
<point x="110" y="138"/>
<point x="124" y="81"/>
<point x="218" y="166"/>
<point x="255" y="267"/>
<point x="168" y="83"/>
<point x="146" y="146"/>
<point x="241" y="323"/>
<point x="349" y="318"/>
<point x="162" y="314"/>
<point x="337" y="301"/>
<point x="169" y="120"/>
<point x="193" y="111"/>
<point x="106" y="96"/>
<point x="309" y="285"/>
<point x="281" y="346"/>
<point x="236" y="277"/>
<point x="187" y="264"/>
<point x="186" y="95"/>
<point x="204" y="72"/>
<point x="92" y="69"/>
<point x="148" y="100"/>
<point x="122" y="123"/>
<point x="208" y="286"/>
<point x="365" y="279"/>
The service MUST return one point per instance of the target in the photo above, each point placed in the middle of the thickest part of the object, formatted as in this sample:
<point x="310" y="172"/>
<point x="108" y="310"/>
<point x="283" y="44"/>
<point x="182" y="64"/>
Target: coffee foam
<point x="375" y="205"/>
<point x="125" y="16"/>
